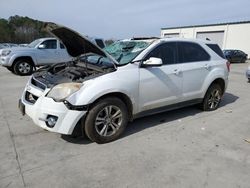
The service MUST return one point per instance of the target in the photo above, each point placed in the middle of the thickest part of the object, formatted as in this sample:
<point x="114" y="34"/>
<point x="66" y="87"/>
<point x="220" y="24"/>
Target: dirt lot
<point x="181" y="148"/>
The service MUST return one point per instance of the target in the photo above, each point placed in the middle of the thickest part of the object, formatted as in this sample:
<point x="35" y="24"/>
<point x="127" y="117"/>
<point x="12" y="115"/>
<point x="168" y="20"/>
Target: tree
<point x="18" y="29"/>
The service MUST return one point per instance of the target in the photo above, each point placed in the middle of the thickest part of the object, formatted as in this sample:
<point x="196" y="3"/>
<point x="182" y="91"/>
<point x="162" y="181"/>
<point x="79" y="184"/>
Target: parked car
<point x="44" y="51"/>
<point x="102" y="90"/>
<point x="248" y="73"/>
<point x="7" y="45"/>
<point x="235" y="56"/>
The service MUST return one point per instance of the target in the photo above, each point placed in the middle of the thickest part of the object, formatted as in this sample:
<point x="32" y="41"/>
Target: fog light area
<point x="51" y="121"/>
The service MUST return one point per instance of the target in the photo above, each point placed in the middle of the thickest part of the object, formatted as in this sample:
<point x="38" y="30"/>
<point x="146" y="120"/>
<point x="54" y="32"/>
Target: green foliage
<point x="18" y="29"/>
<point x="109" y="41"/>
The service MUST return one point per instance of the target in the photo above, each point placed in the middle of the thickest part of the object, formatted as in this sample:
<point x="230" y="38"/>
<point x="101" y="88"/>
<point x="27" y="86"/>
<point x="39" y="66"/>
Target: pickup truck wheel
<point x="23" y="67"/>
<point x="10" y="69"/>
<point x="212" y="98"/>
<point x="106" y="120"/>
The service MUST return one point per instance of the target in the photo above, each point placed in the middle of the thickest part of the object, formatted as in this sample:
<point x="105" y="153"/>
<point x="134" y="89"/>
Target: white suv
<point x="101" y="90"/>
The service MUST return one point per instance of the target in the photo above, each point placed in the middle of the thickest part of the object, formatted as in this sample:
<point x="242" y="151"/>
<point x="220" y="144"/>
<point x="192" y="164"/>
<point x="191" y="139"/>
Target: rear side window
<point x="216" y="49"/>
<point x="191" y="52"/>
<point x="167" y="52"/>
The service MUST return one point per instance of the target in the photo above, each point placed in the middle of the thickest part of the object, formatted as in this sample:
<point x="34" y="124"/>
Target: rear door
<point x="195" y="65"/>
<point x="161" y="86"/>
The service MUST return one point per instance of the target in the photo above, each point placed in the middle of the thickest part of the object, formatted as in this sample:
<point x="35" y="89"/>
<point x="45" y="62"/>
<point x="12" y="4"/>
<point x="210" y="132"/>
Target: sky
<point x="114" y="19"/>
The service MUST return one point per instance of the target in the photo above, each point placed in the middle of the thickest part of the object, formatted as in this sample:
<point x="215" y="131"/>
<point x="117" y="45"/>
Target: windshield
<point x="97" y="60"/>
<point x="34" y="43"/>
<point x="125" y="51"/>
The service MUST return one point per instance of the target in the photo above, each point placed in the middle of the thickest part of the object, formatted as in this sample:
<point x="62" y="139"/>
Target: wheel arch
<point x="24" y="57"/>
<point x="79" y="127"/>
<point x="220" y="82"/>
<point x="123" y="97"/>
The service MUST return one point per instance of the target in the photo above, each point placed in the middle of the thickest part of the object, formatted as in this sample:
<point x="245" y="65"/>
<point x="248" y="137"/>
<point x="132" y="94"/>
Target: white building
<point x="235" y="35"/>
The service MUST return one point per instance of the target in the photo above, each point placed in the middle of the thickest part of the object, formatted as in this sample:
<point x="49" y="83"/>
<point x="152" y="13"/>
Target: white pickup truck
<point x="44" y="51"/>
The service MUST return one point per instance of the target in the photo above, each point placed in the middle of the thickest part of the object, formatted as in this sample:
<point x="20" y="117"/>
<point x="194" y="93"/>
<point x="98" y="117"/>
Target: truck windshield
<point x="125" y="51"/>
<point x="34" y="43"/>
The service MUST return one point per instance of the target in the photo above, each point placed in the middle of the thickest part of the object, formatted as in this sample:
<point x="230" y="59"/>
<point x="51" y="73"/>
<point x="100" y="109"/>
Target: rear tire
<point x="243" y="60"/>
<point x="23" y="67"/>
<point x="212" y="98"/>
<point x="106" y="120"/>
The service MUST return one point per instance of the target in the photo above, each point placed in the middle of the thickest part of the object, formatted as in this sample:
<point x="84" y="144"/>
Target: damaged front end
<point x="76" y="71"/>
<point x="90" y="61"/>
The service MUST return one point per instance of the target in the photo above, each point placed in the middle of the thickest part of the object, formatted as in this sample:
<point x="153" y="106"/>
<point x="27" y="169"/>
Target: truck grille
<point x="38" y="84"/>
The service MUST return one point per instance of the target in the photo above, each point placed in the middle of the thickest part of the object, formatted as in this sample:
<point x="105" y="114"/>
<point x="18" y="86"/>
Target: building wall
<point x="236" y="36"/>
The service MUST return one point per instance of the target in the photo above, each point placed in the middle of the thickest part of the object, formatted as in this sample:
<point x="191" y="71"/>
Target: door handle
<point x="177" y="71"/>
<point x="207" y="66"/>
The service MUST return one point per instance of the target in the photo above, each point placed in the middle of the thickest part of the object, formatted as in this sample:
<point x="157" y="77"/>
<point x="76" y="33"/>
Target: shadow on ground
<point x="155" y="120"/>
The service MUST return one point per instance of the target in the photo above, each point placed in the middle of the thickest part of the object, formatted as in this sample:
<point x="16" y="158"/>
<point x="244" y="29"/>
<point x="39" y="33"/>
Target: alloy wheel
<point x="214" y="99"/>
<point x="108" y="121"/>
<point x="24" y="67"/>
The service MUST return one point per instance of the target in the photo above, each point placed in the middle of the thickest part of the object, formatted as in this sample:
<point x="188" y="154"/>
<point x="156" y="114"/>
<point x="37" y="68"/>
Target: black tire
<point x="23" y="67"/>
<point x="101" y="126"/>
<point x="212" y="99"/>
<point x="243" y="60"/>
<point x="10" y="69"/>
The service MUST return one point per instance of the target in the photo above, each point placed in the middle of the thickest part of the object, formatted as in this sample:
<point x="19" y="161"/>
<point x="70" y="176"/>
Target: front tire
<point x="212" y="98"/>
<point x="23" y="67"/>
<point x="106" y="120"/>
<point x="10" y="69"/>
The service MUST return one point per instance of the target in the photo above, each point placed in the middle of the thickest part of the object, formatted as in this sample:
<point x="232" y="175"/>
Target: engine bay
<point x="74" y="71"/>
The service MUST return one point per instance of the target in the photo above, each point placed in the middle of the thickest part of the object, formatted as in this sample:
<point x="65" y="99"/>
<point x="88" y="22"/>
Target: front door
<point x="161" y="86"/>
<point x="49" y="54"/>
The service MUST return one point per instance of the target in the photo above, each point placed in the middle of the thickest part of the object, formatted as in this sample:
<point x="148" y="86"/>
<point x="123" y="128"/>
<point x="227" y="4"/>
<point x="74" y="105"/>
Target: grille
<point x="38" y="84"/>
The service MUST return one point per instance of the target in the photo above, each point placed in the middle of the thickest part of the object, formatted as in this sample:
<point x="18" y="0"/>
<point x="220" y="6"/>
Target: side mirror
<point x="41" y="46"/>
<point x="152" y="62"/>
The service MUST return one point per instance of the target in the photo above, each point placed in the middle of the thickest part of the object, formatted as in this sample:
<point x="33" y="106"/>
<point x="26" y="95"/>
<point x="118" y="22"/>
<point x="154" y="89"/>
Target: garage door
<point x="215" y="36"/>
<point x="171" y="35"/>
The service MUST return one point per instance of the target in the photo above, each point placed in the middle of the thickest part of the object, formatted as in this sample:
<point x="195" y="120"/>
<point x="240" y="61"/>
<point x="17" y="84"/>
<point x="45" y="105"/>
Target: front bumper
<point x="248" y="74"/>
<point x="45" y="107"/>
<point x="5" y="61"/>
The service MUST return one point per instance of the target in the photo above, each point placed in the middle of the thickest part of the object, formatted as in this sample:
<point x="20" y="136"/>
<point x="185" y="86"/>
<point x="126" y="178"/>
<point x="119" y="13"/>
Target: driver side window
<point x="167" y="52"/>
<point x="49" y="44"/>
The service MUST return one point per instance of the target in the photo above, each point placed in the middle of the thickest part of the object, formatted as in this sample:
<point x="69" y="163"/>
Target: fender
<point x="15" y="56"/>
<point x="217" y="73"/>
<point x="100" y="86"/>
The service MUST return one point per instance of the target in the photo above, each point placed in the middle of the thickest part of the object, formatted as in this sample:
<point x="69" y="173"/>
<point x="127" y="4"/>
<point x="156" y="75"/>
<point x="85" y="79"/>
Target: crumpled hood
<point x="75" y="43"/>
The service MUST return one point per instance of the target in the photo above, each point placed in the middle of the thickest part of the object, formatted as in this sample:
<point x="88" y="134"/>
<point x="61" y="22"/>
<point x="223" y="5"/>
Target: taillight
<point x="228" y="66"/>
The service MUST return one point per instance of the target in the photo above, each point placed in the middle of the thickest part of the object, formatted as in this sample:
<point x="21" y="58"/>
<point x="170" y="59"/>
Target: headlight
<point x="5" y="52"/>
<point x="62" y="91"/>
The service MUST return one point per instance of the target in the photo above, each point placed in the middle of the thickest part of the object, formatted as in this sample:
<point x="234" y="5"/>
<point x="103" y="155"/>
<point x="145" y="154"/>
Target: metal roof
<point x="206" y="25"/>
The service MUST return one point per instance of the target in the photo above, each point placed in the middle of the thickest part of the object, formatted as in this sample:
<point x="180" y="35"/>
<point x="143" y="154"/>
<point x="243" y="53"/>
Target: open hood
<point x="75" y="43"/>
